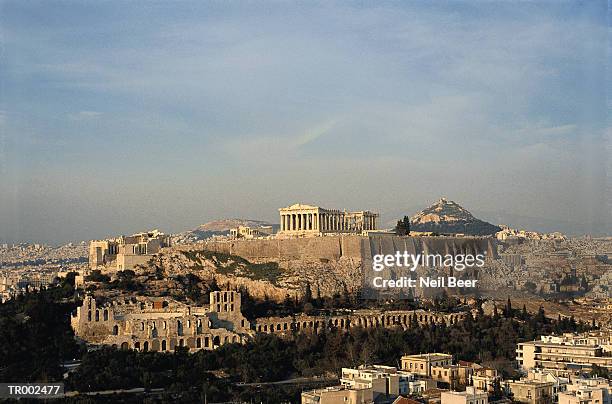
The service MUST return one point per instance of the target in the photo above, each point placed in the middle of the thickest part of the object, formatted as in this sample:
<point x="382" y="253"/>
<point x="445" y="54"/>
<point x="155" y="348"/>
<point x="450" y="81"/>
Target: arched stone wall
<point x="403" y="319"/>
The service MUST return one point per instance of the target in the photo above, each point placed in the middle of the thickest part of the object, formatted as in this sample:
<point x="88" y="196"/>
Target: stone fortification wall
<point x="333" y="248"/>
<point x="383" y="244"/>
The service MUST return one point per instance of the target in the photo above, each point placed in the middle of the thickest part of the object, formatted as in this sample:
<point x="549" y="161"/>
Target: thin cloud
<point x="493" y="97"/>
<point x="84" y="115"/>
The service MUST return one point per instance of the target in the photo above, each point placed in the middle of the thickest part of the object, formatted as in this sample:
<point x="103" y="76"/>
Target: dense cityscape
<point x="280" y="202"/>
<point x="222" y="302"/>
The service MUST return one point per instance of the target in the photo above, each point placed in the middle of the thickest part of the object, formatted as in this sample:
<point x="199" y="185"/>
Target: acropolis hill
<point x="331" y="264"/>
<point x="326" y="248"/>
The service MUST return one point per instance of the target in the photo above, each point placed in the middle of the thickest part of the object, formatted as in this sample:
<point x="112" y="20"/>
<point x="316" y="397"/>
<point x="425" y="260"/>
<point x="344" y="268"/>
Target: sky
<point x="117" y="117"/>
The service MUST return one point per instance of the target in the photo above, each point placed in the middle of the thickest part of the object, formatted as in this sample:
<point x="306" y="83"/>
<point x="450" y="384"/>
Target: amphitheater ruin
<point x="156" y="324"/>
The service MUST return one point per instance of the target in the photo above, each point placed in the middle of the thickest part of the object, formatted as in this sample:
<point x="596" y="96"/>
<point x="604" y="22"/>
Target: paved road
<point x="297" y="380"/>
<point x="107" y="392"/>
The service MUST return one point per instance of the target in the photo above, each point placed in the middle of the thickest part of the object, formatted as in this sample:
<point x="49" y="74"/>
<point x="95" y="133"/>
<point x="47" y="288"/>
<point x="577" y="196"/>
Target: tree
<point x="508" y="308"/>
<point x="403" y="226"/>
<point x="308" y="293"/>
<point x="97" y="276"/>
<point x="497" y="390"/>
<point x="541" y="316"/>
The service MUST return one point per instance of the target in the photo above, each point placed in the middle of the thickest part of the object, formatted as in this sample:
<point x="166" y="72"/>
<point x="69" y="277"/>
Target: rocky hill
<point x="448" y="217"/>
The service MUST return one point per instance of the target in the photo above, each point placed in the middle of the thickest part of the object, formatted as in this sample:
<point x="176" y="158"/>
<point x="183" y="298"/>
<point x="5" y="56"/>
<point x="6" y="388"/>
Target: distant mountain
<point x="447" y="217"/>
<point x="217" y="228"/>
<point x="227" y="224"/>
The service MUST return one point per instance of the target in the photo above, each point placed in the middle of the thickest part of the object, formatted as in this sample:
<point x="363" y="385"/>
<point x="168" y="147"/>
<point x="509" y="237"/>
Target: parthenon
<point x="301" y="219"/>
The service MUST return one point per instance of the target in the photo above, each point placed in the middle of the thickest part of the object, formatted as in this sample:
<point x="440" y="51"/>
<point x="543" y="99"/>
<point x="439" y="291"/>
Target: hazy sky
<point x="117" y="117"/>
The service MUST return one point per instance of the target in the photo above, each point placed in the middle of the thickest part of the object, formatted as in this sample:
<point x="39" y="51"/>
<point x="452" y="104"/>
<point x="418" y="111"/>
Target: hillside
<point x="448" y="217"/>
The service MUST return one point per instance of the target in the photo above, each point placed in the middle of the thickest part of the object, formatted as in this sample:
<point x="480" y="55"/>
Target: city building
<point x="530" y="391"/>
<point x="422" y="364"/>
<point x="299" y="219"/>
<point x="338" y="395"/>
<point x="384" y="380"/>
<point x="470" y="396"/>
<point x="404" y="400"/>
<point x="484" y="378"/>
<point x="587" y="391"/>
<point x="432" y="396"/>
<point x="559" y="383"/>
<point x="566" y="354"/>
<point x="125" y="252"/>
<point x="452" y="375"/>
<point x="156" y="324"/>
<point x="15" y="283"/>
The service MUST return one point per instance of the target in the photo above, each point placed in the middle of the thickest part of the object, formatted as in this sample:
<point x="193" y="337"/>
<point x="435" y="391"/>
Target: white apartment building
<point x="566" y="354"/>
<point x="470" y="396"/>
